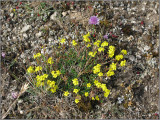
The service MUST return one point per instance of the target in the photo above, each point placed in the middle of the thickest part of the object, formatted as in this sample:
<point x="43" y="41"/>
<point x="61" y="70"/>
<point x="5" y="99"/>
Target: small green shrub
<point x="77" y="68"/>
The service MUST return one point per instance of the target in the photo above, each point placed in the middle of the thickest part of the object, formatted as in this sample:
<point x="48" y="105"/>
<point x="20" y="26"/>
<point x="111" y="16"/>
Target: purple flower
<point x="14" y="95"/>
<point x="3" y="54"/>
<point x="105" y="36"/>
<point x="94" y="20"/>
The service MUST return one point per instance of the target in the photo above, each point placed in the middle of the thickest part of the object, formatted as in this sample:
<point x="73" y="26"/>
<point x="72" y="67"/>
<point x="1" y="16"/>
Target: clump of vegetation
<point x="77" y="67"/>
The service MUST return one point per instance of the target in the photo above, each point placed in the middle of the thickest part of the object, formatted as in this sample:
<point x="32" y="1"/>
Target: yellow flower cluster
<point x="105" y="43"/>
<point x="76" y="100"/>
<point x="96" y="69"/>
<point x="40" y="80"/>
<point x="38" y="68"/>
<point x="66" y="93"/>
<point x="100" y="49"/>
<point x="97" y="84"/>
<point x="62" y="40"/>
<point x="50" y="61"/>
<point x="55" y="74"/>
<point x="75" y="81"/>
<point x="92" y="54"/>
<point x="52" y="85"/>
<point x="124" y="51"/>
<point x="86" y="37"/>
<point x="110" y="73"/>
<point x="112" y="66"/>
<point x="103" y="87"/>
<point x="86" y="94"/>
<point x="37" y="55"/>
<point x="97" y="98"/>
<point x="123" y="63"/>
<point x="111" y="51"/>
<point x="76" y="91"/>
<point x="30" y="69"/>
<point x="74" y="43"/>
<point x="119" y="57"/>
<point x="89" y="45"/>
<point x="100" y="74"/>
<point x="88" y="85"/>
<point x="97" y="43"/>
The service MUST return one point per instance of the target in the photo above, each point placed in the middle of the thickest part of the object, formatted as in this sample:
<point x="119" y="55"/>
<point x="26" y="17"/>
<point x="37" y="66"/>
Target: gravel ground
<point x="134" y="26"/>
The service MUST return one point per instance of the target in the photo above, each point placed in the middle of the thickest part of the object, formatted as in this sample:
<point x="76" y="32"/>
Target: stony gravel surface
<point x="130" y="25"/>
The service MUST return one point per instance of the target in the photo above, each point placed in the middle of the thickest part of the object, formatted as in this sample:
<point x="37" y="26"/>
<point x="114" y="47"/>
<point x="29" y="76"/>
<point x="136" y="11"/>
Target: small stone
<point x="12" y="14"/>
<point x="146" y="48"/>
<point x="21" y="111"/>
<point x="38" y="34"/>
<point x="53" y="16"/>
<point x="26" y="28"/>
<point x="20" y="101"/>
<point x="132" y="58"/>
<point x="25" y="35"/>
<point x="145" y="88"/>
<point x="64" y="14"/>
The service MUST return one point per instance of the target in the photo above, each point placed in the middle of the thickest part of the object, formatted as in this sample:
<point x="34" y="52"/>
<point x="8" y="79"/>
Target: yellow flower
<point x="39" y="83"/>
<point x="86" y="94"/>
<point x="92" y="54"/>
<point x="86" y="37"/>
<point x="58" y="72"/>
<point x="96" y="69"/>
<point x="103" y="86"/>
<point x="101" y="49"/>
<point x="37" y="55"/>
<point x="124" y="51"/>
<point x="38" y="68"/>
<point x="97" y="98"/>
<point x="104" y="44"/>
<point x="51" y="83"/>
<point x="53" y="90"/>
<point x="76" y="101"/>
<point x="44" y="76"/>
<point x="97" y="43"/>
<point x="14" y="10"/>
<point x="74" y="43"/>
<point x="98" y="84"/>
<point x="30" y="70"/>
<point x="50" y="61"/>
<point x="111" y="51"/>
<point x="113" y="66"/>
<point x="62" y="40"/>
<point x="100" y="74"/>
<point x="76" y="91"/>
<point x="93" y="98"/>
<point x="66" y="93"/>
<point x="88" y="45"/>
<point x="110" y="73"/>
<point x="88" y="84"/>
<point x="54" y="74"/>
<point x="123" y="63"/>
<point x="119" y="57"/>
<point x="75" y="81"/>
<point x="106" y="93"/>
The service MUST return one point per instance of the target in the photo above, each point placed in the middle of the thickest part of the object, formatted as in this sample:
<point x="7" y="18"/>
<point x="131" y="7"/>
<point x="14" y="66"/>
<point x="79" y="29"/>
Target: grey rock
<point x="38" y="34"/>
<point x="25" y="35"/>
<point x="26" y="28"/>
<point x="12" y="14"/>
<point x="146" y="48"/>
<point x="132" y="58"/>
<point x="53" y="16"/>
